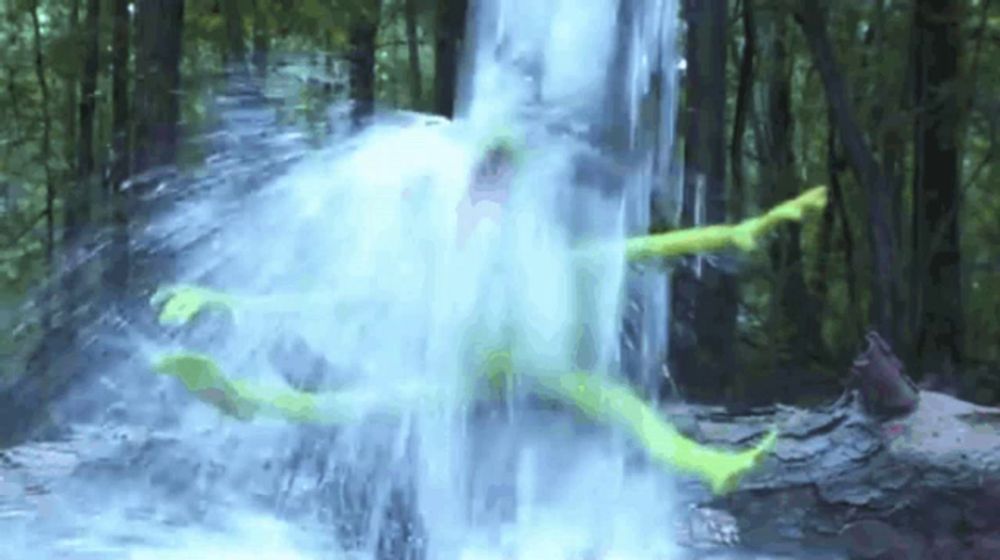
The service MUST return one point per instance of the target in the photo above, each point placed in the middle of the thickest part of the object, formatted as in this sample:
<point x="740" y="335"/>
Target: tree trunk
<point x="794" y="319"/>
<point x="46" y="148"/>
<point x="159" y="31"/>
<point x="72" y="101"/>
<point x="836" y="211"/>
<point x="261" y="38"/>
<point x="891" y="121"/>
<point x="936" y="244"/>
<point x="705" y="295"/>
<point x="743" y="102"/>
<point x="812" y="19"/>
<point x="159" y="25"/>
<point x="363" y="33"/>
<point x="24" y="400"/>
<point x="78" y="200"/>
<point x="88" y="101"/>
<point x="413" y="46"/>
<point x="450" y="34"/>
<point x="235" y="43"/>
<point x="116" y="271"/>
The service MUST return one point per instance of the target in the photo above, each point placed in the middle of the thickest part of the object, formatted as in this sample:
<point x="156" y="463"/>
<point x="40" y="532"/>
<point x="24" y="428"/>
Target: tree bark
<point x="23" y="398"/>
<point x="704" y="299"/>
<point x="261" y="38"/>
<point x="46" y="148"/>
<point x="450" y="35"/>
<point x="936" y="243"/>
<point x="836" y="210"/>
<point x="794" y="316"/>
<point x="413" y="48"/>
<point x="116" y="271"/>
<point x="72" y="91"/>
<point x="811" y="16"/>
<point x="363" y="34"/>
<point x="78" y="200"/>
<point x="159" y="25"/>
<point x="235" y="41"/>
<point x="744" y="95"/>
<point x="158" y="32"/>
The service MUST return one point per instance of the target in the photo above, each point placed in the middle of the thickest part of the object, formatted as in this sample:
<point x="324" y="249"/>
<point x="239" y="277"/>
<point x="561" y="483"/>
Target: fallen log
<point x="922" y="486"/>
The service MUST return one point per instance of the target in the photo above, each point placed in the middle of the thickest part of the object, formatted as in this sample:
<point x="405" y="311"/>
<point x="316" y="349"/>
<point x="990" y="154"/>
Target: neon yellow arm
<point x="709" y="239"/>
<point x="181" y="303"/>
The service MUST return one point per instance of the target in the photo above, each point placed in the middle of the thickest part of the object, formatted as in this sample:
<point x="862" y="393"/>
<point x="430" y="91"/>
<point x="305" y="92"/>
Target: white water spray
<point x="388" y="285"/>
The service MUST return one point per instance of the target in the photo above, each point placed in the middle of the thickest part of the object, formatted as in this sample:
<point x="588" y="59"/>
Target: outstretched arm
<point x="709" y="239"/>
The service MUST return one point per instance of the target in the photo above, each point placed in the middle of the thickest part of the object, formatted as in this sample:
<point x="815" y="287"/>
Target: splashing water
<point x="374" y="270"/>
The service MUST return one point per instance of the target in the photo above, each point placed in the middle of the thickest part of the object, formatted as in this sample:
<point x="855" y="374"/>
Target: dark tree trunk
<point x="363" y="33"/>
<point x="937" y="251"/>
<point x="236" y="51"/>
<point x="156" y="106"/>
<point x="46" y="147"/>
<point x="78" y="200"/>
<point x="836" y="212"/>
<point x="890" y="119"/>
<point x="261" y="38"/>
<point x="72" y="97"/>
<point x="811" y="17"/>
<point x="116" y="271"/>
<point x="450" y="34"/>
<point x="159" y="25"/>
<point x="794" y="315"/>
<point x="24" y="398"/>
<point x="705" y="295"/>
<point x="413" y="47"/>
<point x="88" y="101"/>
<point x="744" y="95"/>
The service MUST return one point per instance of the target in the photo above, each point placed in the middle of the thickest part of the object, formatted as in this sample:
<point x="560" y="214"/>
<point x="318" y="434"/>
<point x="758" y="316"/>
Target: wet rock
<point x="708" y="528"/>
<point x="877" y="540"/>
<point x="986" y="547"/>
<point x="925" y="485"/>
<point x="946" y="548"/>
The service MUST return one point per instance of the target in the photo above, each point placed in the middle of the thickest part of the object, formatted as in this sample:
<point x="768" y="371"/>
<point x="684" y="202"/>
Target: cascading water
<point x="366" y="267"/>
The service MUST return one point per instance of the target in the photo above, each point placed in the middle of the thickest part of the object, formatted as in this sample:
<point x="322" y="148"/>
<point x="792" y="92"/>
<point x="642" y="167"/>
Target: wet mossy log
<point x="922" y="485"/>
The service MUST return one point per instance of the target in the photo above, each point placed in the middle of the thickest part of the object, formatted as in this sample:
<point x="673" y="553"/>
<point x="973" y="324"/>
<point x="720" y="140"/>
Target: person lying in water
<point x="599" y="397"/>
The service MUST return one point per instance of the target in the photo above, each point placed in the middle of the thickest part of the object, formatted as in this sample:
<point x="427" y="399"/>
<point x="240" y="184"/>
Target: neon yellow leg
<point x="179" y="304"/>
<point x="600" y="398"/>
<point x="614" y="403"/>
<point x="245" y="400"/>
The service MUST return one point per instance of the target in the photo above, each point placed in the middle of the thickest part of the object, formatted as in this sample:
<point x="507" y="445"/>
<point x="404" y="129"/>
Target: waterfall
<point x="356" y="268"/>
<point x="607" y="72"/>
